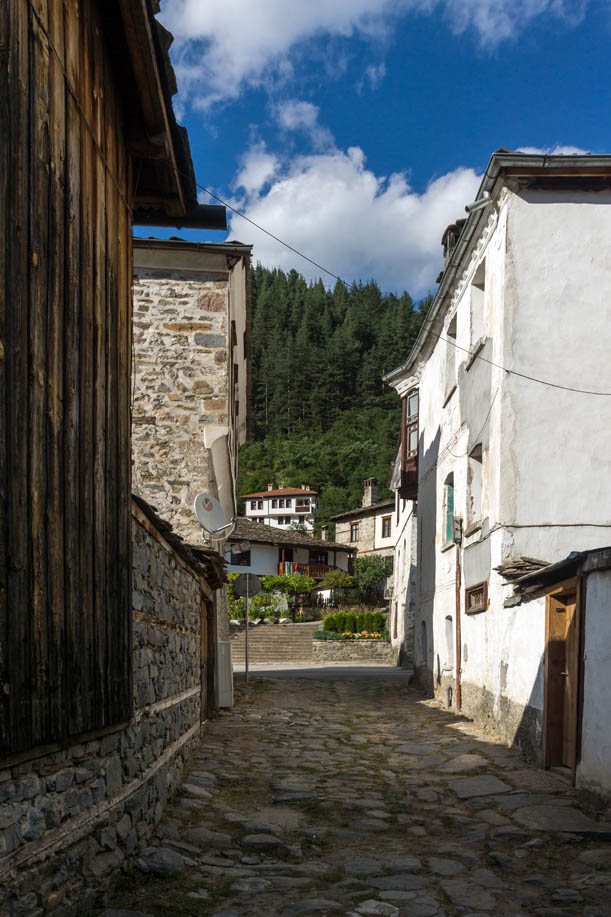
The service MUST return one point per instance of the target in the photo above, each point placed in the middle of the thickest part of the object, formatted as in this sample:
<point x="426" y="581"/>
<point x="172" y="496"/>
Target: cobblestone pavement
<point x="352" y="797"/>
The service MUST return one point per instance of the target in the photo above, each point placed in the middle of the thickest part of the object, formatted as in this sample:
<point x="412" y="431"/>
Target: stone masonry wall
<point x="353" y="651"/>
<point x="71" y="816"/>
<point x="181" y="385"/>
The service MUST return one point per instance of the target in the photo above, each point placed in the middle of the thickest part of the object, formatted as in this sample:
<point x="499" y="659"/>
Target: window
<point x="408" y="489"/>
<point x="274" y="504"/>
<point x="448" y="510"/>
<point x="238" y="558"/>
<point x="259" y="504"/>
<point x="354" y="531"/>
<point x="319" y="557"/>
<point x="386" y="520"/>
<point x="253" y="504"/>
<point x="476" y="598"/>
<point x="288" y="503"/>
<point x="302" y="501"/>
<point x="450" y="380"/>
<point x="478" y="289"/>
<point x="474" y="485"/>
<point x="281" y="502"/>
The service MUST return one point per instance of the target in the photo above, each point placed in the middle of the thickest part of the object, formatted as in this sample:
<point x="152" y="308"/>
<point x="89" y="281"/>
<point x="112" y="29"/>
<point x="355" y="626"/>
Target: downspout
<point x="457" y="654"/>
<point x="217" y="677"/>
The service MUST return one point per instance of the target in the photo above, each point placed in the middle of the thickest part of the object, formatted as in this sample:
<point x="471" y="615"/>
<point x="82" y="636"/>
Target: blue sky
<point x="357" y="129"/>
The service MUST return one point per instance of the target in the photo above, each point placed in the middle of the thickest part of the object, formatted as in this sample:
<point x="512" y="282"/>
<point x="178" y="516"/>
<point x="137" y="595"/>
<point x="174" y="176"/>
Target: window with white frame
<point x="474" y="485"/>
<point x="478" y="291"/>
<point x="450" y="380"/>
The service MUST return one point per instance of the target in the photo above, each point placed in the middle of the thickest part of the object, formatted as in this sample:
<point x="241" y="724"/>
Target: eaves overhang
<point x="589" y="172"/>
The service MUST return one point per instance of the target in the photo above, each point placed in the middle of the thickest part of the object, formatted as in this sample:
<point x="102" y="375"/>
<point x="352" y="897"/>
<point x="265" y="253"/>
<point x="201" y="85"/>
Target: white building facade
<point x="282" y="507"/>
<point x="504" y="447"/>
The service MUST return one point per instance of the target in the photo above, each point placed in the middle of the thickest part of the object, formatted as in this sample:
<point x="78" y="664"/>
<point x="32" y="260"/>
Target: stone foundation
<point x="71" y="815"/>
<point x="353" y="651"/>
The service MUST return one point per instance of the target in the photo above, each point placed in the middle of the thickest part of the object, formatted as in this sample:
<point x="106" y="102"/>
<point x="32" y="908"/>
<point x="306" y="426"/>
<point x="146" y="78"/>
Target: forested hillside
<point x="319" y="413"/>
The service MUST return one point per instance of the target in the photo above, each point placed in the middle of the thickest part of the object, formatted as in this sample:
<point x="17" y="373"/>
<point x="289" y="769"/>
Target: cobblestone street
<point x="352" y="795"/>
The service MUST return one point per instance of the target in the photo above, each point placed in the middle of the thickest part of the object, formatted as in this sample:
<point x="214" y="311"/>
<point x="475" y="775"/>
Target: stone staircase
<point x="268" y="643"/>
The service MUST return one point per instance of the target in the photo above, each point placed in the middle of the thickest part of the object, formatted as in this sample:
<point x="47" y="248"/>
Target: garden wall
<point x="70" y="815"/>
<point x="379" y="651"/>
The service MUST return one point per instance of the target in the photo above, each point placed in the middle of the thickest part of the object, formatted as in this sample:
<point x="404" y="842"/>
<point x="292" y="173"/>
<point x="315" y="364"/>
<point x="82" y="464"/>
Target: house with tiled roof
<point x="254" y="547"/>
<point x="282" y="507"/>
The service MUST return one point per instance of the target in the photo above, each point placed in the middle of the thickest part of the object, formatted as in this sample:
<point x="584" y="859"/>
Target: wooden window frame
<point x="408" y="489"/>
<point x="354" y="529"/>
<point x="483" y="606"/>
<point x="386" y="523"/>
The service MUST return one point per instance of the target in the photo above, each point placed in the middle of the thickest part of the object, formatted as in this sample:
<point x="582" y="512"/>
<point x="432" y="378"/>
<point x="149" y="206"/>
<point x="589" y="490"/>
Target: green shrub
<point x="329" y="624"/>
<point x="350" y="623"/>
<point x="378" y="621"/>
<point x="368" y="621"/>
<point x="326" y="635"/>
<point x="340" y="619"/>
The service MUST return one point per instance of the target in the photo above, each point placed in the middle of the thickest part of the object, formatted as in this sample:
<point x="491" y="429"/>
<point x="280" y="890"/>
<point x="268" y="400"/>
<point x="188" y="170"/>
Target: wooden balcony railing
<point x="316" y="571"/>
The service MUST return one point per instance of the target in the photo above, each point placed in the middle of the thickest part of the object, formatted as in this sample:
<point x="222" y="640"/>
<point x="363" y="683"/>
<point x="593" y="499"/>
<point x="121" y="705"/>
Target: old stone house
<point x="191" y="340"/>
<point x="504" y="445"/>
<point x="371" y="528"/>
<point x="95" y="719"/>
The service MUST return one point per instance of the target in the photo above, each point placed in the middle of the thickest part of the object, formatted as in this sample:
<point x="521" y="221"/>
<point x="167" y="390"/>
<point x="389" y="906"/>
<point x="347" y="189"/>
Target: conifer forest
<point x="319" y="413"/>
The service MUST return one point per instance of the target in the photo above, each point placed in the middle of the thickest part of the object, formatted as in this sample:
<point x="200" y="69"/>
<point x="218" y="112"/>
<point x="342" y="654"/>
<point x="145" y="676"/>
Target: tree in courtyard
<point x="370" y="575"/>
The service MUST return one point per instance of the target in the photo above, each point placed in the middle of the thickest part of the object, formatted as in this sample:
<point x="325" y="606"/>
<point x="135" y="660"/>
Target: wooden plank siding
<point x="65" y="362"/>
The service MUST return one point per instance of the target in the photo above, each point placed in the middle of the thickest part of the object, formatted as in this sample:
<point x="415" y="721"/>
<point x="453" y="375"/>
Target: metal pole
<point x="246" y="637"/>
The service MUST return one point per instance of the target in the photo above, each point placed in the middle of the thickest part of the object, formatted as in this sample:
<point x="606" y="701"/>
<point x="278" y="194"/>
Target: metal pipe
<point x="458" y="692"/>
<point x="246" y="632"/>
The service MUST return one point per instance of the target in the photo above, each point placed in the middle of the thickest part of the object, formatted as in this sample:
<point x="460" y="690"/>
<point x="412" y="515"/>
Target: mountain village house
<point x="191" y="336"/>
<point x="254" y="547"/>
<point x="105" y="645"/>
<point x="506" y="448"/>
<point x="282" y="507"/>
<point x="369" y="529"/>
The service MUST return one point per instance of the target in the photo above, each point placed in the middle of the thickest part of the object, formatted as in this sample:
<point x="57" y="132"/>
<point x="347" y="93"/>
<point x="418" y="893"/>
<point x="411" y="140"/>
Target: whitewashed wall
<point x="594" y="769"/>
<point x="546" y="453"/>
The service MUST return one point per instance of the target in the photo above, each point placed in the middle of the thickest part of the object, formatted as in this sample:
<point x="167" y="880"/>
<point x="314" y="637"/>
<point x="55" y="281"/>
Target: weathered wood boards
<point x="65" y="313"/>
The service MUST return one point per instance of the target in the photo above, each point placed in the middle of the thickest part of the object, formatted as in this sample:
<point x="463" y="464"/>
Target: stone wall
<point x="72" y="815"/>
<point x="358" y="651"/>
<point x="181" y="373"/>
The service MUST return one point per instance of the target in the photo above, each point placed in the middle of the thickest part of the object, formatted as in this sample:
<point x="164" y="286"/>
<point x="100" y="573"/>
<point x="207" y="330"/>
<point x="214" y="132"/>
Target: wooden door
<point x="561" y="679"/>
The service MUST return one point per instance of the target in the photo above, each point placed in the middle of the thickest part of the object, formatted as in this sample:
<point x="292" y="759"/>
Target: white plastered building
<point x="504" y="451"/>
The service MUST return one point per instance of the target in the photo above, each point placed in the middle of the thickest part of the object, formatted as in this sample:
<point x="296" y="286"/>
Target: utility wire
<point x="476" y="356"/>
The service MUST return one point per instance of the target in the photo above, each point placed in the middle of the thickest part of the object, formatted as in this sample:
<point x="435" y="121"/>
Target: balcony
<point x="316" y="571"/>
<point x="303" y="509"/>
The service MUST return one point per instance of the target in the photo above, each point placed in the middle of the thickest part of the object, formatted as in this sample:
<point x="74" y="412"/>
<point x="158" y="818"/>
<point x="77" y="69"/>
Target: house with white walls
<point x="577" y="664"/>
<point x="506" y="439"/>
<point x="266" y="550"/>
<point x="283" y="507"/>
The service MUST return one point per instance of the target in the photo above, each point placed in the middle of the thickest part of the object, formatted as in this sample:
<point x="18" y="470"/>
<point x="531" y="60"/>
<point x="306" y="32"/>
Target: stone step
<point x="268" y="643"/>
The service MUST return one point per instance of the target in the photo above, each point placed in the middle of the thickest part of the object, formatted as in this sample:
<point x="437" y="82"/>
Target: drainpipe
<point x="458" y="637"/>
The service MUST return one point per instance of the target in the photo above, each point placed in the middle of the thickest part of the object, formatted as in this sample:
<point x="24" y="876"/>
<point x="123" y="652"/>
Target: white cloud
<point x="338" y="212"/>
<point x="374" y="75"/>
<point x="297" y="115"/>
<point x="258" y="168"/>
<point x="223" y="47"/>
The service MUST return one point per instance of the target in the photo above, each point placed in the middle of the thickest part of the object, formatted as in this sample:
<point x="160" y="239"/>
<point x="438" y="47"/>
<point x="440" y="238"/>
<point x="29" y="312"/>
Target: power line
<point x="476" y="356"/>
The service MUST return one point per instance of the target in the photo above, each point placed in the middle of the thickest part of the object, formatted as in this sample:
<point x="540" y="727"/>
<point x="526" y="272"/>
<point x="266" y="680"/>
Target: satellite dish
<point x="210" y="514"/>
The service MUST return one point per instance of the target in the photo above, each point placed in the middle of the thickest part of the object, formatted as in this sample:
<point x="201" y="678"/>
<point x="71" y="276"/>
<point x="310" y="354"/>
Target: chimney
<point x="280" y="486"/>
<point x="370" y="492"/>
<point x="303" y="487"/>
<point x="324" y="532"/>
<point x="270" y="486"/>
